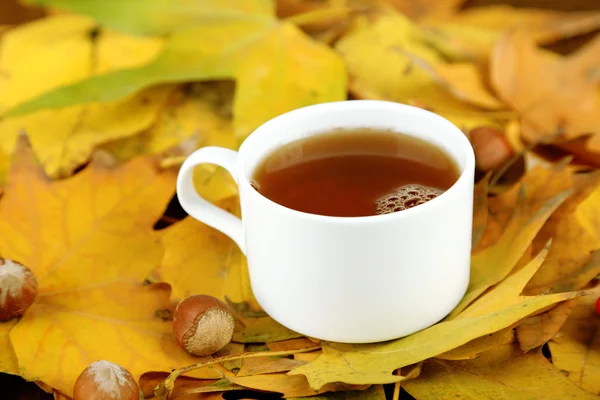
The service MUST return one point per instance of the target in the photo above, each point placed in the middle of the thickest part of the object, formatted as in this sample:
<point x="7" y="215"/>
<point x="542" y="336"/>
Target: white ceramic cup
<point x="347" y="279"/>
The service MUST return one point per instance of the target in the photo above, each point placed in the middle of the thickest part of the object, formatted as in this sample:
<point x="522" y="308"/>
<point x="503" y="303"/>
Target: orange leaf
<point x="184" y="384"/>
<point x="267" y="365"/>
<point x="289" y="385"/>
<point x="558" y="97"/>
<point x="537" y="330"/>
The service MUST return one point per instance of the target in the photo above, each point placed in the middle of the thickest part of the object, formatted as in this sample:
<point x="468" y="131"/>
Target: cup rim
<point x="465" y="174"/>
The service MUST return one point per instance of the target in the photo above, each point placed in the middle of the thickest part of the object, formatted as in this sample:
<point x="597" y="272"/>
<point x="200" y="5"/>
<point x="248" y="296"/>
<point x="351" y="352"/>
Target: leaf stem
<point x="396" y="394"/>
<point x="164" y="389"/>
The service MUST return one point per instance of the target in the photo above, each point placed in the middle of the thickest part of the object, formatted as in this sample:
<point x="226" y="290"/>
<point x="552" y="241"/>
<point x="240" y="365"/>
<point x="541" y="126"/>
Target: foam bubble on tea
<point x="405" y="197"/>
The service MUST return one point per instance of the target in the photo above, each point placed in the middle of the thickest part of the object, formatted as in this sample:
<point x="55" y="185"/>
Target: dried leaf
<point x="101" y="218"/>
<point x="582" y="276"/>
<point x="184" y="385"/>
<point x="289" y="386"/>
<point x="502" y="373"/>
<point x="546" y="25"/>
<point x="480" y="210"/>
<point x="291" y="344"/>
<point x="329" y="20"/>
<point x="308" y="357"/>
<point x="575" y="240"/>
<point x="263" y="330"/>
<point x="537" y="330"/>
<point x="477" y="346"/>
<point x="231" y="349"/>
<point x="557" y="97"/>
<point x="196" y="259"/>
<point x="236" y="48"/>
<point x="8" y="359"/>
<point x="471" y="34"/>
<point x="374" y="392"/>
<point x="426" y="10"/>
<point x="537" y="187"/>
<point x="575" y="349"/>
<point x="467" y="120"/>
<point x="63" y="139"/>
<point x="492" y="265"/>
<point x="267" y="365"/>
<point x="374" y="363"/>
<point x="463" y="80"/>
<point x="200" y="110"/>
<point x="380" y="62"/>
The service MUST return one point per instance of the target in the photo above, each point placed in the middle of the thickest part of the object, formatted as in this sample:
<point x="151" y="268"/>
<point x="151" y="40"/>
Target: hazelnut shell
<point x="490" y="146"/>
<point x="203" y="325"/>
<point x="104" y="380"/>
<point x="18" y="289"/>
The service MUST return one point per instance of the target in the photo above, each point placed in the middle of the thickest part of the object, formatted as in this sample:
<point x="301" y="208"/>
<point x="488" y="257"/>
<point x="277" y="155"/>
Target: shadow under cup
<point x="353" y="279"/>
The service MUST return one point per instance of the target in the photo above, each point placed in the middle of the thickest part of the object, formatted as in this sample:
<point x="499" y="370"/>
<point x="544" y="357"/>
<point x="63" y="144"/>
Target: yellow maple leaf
<point x="504" y="372"/>
<point x="197" y="115"/>
<point x="574" y="349"/>
<point x="90" y="243"/>
<point x="63" y="139"/>
<point x="8" y="361"/>
<point x="381" y="64"/>
<point x="198" y="259"/>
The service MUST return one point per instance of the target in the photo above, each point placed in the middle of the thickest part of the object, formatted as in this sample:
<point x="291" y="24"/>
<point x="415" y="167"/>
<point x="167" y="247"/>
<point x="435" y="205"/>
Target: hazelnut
<point x="491" y="147"/>
<point x="18" y="289"/>
<point x="203" y="325"/>
<point x="104" y="380"/>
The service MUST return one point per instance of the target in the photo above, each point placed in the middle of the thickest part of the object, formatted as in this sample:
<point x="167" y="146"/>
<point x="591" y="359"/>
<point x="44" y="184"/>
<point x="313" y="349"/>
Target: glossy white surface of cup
<point x="347" y="279"/>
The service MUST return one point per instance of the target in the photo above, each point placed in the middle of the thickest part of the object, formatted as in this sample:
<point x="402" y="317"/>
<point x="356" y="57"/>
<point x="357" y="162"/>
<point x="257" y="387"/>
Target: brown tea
<point x="351" y="173"/>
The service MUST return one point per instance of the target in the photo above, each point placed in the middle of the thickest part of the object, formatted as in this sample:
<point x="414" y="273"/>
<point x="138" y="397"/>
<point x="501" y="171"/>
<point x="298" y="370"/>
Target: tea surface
<point x="358" y="172"/>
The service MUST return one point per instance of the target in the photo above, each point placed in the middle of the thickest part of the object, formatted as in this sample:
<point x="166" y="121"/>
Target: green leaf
<point x="277" y="68"/>
<point x="159" y="17"/>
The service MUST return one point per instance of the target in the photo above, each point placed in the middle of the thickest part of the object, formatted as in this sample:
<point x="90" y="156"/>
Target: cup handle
<point x="201" y="209"/>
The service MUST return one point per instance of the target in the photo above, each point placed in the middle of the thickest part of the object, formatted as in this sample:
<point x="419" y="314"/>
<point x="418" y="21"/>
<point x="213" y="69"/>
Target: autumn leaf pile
<point x="101" y="101"/>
